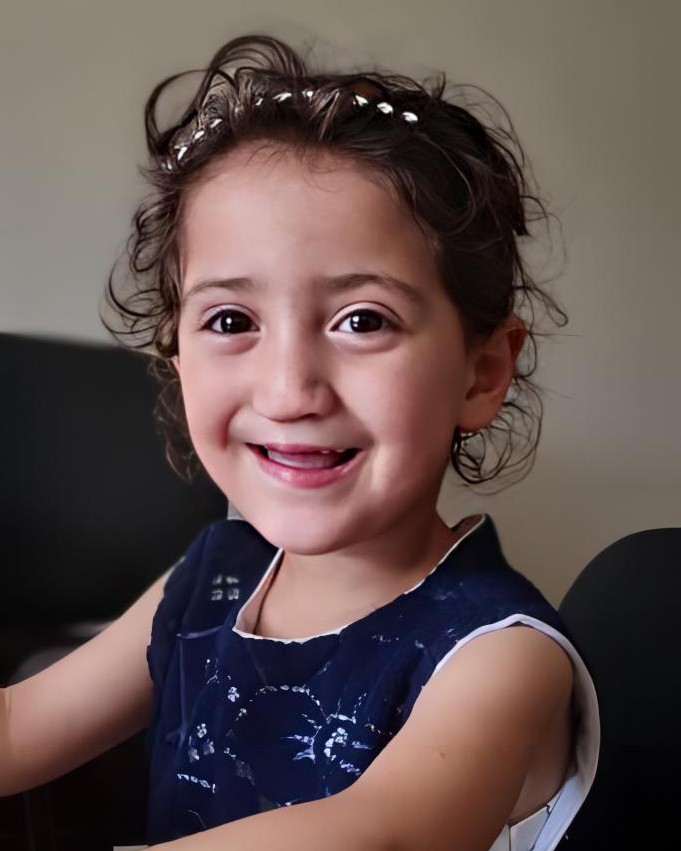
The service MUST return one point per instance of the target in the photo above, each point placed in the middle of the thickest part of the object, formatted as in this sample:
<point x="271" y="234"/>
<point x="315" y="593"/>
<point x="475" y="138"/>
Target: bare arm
<point x="452" y="775"/>
<point x="84" y="704"/>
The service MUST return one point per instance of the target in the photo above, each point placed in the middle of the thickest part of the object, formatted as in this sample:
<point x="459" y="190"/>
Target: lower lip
<point x="306" y="478"/>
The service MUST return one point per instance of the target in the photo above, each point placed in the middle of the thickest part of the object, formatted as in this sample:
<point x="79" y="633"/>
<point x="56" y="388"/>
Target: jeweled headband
<point x="210" y="114"/>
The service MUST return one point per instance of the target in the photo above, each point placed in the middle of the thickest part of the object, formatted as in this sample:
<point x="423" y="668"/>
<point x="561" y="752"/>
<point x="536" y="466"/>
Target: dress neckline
<point x="245" y="618"/>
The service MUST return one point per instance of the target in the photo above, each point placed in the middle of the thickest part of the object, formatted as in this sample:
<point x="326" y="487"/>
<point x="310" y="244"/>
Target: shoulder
<point x="486" y="578"/>
<point x="224" y="561"/>
<point x="218" y="570"/>
<point x="521" y="664"/>
<point x="474" y="591"/>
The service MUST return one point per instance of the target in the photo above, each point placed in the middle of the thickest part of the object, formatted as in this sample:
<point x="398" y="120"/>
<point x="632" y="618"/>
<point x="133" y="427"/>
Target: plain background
<point x="593" y="89"/>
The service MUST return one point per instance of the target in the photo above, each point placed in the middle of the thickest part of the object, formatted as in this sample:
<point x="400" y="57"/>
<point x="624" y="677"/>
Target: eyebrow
<point x="333" y="284"/>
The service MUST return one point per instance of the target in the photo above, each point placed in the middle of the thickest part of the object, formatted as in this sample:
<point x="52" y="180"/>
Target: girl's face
<point x="314" y="317"/>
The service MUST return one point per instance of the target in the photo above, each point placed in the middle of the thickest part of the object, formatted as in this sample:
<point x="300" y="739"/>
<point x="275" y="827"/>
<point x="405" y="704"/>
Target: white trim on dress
<point x="563" y="808"/>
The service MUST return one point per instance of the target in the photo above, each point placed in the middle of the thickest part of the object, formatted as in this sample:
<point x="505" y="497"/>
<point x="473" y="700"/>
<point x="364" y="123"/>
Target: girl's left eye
<point x="364" y="322"/>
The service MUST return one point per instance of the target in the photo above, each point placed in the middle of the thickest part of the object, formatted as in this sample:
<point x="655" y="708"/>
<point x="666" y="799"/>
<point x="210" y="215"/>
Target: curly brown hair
<point x="466" y="182"/>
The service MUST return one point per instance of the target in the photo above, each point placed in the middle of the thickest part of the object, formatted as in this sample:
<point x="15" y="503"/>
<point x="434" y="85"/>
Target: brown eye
<point x="364" y="322"/>
<point x="230" y="322"/>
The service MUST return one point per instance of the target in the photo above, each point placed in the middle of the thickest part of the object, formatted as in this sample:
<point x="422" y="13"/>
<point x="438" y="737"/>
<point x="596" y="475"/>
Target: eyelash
<point x="222" y="313"/>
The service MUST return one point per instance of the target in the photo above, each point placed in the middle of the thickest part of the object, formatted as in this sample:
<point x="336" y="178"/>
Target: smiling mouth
<point x="309" y="460"/>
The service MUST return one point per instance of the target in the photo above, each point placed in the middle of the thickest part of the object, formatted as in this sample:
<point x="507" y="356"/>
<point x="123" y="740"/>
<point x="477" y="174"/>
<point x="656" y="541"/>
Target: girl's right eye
<point x="229" y="321"/>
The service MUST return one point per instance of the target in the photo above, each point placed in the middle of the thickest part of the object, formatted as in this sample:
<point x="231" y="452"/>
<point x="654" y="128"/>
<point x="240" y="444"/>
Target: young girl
<point x="330" y="269"/>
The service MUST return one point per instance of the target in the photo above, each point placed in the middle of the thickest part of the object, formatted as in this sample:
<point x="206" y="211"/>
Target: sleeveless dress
<point x="244" y="723"/>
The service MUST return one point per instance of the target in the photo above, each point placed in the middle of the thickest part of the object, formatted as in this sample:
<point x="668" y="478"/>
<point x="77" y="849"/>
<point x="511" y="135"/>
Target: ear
<point x="491" y="368"/>
<point x="175" y="360"/>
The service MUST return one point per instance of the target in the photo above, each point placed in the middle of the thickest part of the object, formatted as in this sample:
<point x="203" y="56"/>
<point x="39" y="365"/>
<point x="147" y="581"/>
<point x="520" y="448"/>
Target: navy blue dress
<point x="244" y="724"/>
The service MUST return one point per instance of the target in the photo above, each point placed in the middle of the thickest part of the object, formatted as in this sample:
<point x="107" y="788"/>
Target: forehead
<point x="268" y="166"/>
<point x="269" y="211"/>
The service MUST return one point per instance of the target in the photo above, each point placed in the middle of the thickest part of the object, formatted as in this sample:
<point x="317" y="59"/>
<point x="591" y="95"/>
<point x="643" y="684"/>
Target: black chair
<point x="90" y="515"/>
<point x="623" y="611"/>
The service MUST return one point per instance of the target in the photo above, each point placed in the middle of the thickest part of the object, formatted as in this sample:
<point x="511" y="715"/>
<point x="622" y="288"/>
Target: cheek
<point x="207" y="401"/>
<point x="417" y="399"/>
<point x="429" y="416"/>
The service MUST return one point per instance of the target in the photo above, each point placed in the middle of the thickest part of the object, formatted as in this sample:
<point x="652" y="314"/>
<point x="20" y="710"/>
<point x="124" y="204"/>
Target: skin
<point x="488" y="739"/>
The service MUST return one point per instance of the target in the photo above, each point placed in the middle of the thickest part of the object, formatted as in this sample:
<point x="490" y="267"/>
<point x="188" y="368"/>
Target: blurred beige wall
<point x="592" y="86"/>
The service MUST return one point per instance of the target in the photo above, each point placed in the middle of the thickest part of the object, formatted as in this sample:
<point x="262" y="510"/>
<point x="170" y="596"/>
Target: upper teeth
<point x="308" y="460"/>
<point x="315" y="451"/>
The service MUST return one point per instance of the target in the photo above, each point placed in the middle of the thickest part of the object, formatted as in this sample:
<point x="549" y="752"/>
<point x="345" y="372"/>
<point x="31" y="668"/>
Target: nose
<point x="292" y="380"/>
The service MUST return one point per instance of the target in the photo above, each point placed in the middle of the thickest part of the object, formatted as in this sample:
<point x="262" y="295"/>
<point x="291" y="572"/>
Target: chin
<point x="303" y="532"/>
<point x="302" y="540"/>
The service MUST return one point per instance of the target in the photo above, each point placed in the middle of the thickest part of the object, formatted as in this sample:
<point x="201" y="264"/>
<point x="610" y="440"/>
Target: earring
<point x="459" y="438"/>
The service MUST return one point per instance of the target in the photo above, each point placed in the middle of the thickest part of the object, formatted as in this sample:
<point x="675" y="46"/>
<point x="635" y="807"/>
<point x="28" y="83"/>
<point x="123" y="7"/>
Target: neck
<point x="382" y="566"/>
